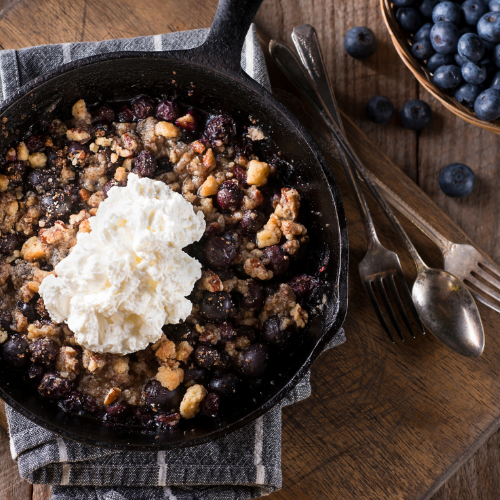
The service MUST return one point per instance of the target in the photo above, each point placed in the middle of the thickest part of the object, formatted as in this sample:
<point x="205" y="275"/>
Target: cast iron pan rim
<point x="242" y="79"/>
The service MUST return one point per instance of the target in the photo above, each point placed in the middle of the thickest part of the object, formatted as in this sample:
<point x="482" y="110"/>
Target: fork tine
<point x="479" y="284"/>
<point x="395" y="294"/>
<point x="409" y="300"/>
<point x="489" y="264"/>
<point x="484" y="300"/>
<point x="373" y="300"/>
<point x="379" y="285"/>
<point x="487" y="277"/>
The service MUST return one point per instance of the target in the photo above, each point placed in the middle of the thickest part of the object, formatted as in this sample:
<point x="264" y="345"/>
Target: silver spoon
<point x="443" y="302"/>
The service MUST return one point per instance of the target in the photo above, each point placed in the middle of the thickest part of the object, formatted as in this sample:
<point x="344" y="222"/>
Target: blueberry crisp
<point x="248" y="304"/>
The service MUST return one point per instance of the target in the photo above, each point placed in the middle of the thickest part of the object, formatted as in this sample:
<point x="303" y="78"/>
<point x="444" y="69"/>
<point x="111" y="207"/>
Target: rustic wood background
<point x="310" y="459"/>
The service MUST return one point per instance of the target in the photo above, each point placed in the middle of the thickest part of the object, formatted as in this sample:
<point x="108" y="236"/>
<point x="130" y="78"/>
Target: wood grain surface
<point x="384" y="421"/>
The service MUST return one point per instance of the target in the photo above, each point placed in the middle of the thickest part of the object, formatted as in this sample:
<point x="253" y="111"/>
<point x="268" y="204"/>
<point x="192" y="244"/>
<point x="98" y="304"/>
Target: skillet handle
<point x="222" y="48"/>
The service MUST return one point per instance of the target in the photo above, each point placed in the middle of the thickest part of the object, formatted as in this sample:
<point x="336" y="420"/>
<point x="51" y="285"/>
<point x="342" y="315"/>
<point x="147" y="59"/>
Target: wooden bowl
<point x="402" y="43"/>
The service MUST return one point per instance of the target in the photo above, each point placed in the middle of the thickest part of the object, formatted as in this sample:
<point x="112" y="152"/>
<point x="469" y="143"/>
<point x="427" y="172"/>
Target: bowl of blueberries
<point x="453" y="49"/>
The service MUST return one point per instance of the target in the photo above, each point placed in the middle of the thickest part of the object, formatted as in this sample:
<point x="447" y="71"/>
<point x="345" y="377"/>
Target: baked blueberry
<point x="15" y="351"/>
<point x="416" y="114"/>
<point x="457" y="180"/>
<point x="447" y="77"/>
<point x="252" y="222"/>
<point x="229" y="196"/>
<point x="444" y="37"/>
<point x="216" y="306"/>
<point x="145" y="164"/>
<point x="44" y="351"/>
<point x="210" y="404"/>
<point x="423" y="33"/>
<point x="473" y="10"/>
<point x="276" y="259"/>
<point x="379" y="109"/>
<point x="360" y="42"/>
<point x="470" y="47"/>
<point x="143" y="107"/>
<point x="409" y="19"/>
<point x="253" y="296"/>
<point x="180" y="333"/>
<point x="28" y="309"/>
<point x="487" y="105"/>
<point x="219" y="252"/>
<point x="196" y="375"/>
<point x="422" y="49"/>
<point x="206" y="356"/>
<point x="302" y="285"/>
<point x="255" y="359"/>
<point x="488" y="27"/>
<point x="53" y="386"/>
<point x="466" y="94"/>
<point x="437" y="60"/>
<point x="473" y="73"/>
<point x="447" y="11"/>
<point x="8" y="244"/>
<point x="160" y="399"/>
<point x="427" y="6"/>
<point x="225" y="384"/>
<point x="276" y="332"/>
<point x="167" y="110"/>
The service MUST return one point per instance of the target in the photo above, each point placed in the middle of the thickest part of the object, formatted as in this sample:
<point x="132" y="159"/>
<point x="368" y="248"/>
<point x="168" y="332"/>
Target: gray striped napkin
<point x="246" y="464"/>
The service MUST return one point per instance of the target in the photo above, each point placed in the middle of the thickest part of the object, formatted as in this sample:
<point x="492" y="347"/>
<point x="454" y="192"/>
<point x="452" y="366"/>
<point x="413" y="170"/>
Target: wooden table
<point x="360" y="435"/>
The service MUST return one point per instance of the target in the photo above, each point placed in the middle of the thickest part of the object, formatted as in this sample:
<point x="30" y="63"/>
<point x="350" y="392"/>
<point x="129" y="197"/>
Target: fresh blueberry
<point x="427" y="6"/>
<point x="444" y="37"/>
<point x="470" y="47"/>
<point x="494" y="5"/>
<point x="360" y="42"/>
<point x="416" y="114"/>
<point x="422" y="49"/>
<point x="457" y="180"/>
<point x="447" y="11"/>
<point x="496" y="55"/>
<point x="487" y="105"/>
<point x="437" y="60"/>
<point x="379" y="109"/>
<point x="473" y="10"/>
<point x="423" y="32"/>
<point x="489" y="65"/>
<point x="447" y="77"/>
<point x="409" y="19"/>
<point x="495" y="83"/>
<point x="467" y="94"/>
<point x="402" y="3"/>
<point x="473" y="73"/>
<point x="459" y="60"/>
<point x="488" y="27"/>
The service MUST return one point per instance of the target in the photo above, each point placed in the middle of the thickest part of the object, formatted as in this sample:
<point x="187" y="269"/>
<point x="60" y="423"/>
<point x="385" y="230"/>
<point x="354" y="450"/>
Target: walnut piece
<point x="255" y="269"/>
<point x="112" y="395"/>
<point x="190" y="404"/>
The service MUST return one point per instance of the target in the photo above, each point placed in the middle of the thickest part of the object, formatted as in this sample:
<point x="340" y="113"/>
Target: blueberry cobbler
<point x="150" y="264"/>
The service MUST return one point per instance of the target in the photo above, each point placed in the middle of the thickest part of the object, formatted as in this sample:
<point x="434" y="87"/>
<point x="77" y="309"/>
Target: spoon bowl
<point x="448" y="310"/>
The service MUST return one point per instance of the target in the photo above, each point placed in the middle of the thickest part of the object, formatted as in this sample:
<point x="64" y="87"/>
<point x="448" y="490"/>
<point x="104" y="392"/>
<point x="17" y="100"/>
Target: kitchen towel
<point x="247" y="463"/>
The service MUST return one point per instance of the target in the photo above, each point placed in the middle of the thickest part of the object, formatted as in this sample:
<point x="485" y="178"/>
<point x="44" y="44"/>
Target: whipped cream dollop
<point x="129" y="276"/>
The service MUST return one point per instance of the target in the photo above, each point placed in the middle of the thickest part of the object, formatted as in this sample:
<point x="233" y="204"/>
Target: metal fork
<point x="463" y="261"/>
<point x="380" y="269"/>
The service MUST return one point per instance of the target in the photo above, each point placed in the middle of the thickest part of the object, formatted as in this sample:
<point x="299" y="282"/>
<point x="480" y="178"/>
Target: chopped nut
<point x="37" y="160"/>
<point x="270" y="233"/>
<point x="255" y="269"/>
<point x="209" y="187"/>
<point x="84" y="194"/>
<point x="121" y="174"/>
<point x="209" y="159"/>
<point x="95" y="200"/>
<point x="3" y="336"/>
<point x="166" y="350"/>
<point x="210" y="281"/>
<point x="167" y="129"/>
<point x="19" y="322"/>
<point x="94" y="147"/>
<point x="288" y="207"/>
<point x="198" y="147"/>
<point x="4" y="183"/>
<point x="299" y="315"/>
<point x="80" y="113"/>
<point x="183" y="351"/>
<point x="67" y="174"/>
<point x="291" y="229"/>
<point x="79" y="134"/>
<point x="22" y="152"/>
<point x="186" y="121"/>
<point x="257" y="173"/>
<point x="112" y="395"/>
<point x="33" y="249"/>
<point x="67" y="363"/>
<point x="169" y="377"/>
<point x="255" y="134"/>
<point x="105" y="142"/>
<point x="92" y="361"/>
<point x="190" y="404"/>
<point x="127" y="164"/>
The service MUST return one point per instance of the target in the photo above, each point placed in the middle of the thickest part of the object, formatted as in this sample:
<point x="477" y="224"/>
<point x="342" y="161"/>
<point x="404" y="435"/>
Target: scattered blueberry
<point x="473" y="10"/>
<point x="494" y="5"/>
<point x="229" y="196"/>
<point x="254" y="296"/>
<point x="447" y="11"/>
<point x="496" y="55"/>
<point x="444" y="37"/>
<point x="225" y="384"/>
<point x="487" y="105"/>
<point x="44" y="351"/>
<point x="427" y="6"/>
<point x="252" y="222"/>
<point x="206" y="356"/>
<point x="276" y="259"/>
<point x="437" y="60"/>
<point x="409" y="19"/>
<point x="416" y="114"/>
<point x="488" y="27"/>
<point x="402" y="3"/>
<point x="470" y="47"/>
<point x="105" y="113"/>
<point x="495" y="83"/>
<point x="423" y="33"/>
<point x="379" y="109"/>
<point x="360" y="42"/>
<point x="422" y="49"/>
<point x="255" y="360"/>
<point x="142" y="107"/>
<point x="457" y="180"/>
<point x="466" y="94"/>
<point x="473" y="73"/>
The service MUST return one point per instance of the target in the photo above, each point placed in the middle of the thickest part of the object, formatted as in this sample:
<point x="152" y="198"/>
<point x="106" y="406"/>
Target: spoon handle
<point x="307" y="45"/>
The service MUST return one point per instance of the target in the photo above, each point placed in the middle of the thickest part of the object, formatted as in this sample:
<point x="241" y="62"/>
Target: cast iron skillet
<point x="212" y="74"/>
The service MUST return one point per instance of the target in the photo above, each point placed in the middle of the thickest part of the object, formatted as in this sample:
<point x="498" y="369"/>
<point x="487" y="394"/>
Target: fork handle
<point x="307" y="44"/>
